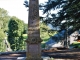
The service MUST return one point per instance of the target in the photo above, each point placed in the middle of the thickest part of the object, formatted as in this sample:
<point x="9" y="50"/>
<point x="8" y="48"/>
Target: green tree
<point x="46" y="32"/>
<point x="16" y="28"/>
<point x="69" y="11"/>
<point x="4" y="19"/>
<point x="25" y="28"/>
<point x="2" y="35"/>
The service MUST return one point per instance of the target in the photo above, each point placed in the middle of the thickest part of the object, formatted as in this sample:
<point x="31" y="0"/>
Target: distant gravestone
<point x="34" y="40"/>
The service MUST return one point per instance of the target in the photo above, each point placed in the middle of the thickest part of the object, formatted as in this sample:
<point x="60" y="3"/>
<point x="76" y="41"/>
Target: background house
<point x="58" y="40"/>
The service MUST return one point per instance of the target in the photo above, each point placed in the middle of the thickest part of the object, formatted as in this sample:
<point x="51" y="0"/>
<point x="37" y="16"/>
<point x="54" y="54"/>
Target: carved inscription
<point x="34" y="33"/>
<point x="34" y="40"/>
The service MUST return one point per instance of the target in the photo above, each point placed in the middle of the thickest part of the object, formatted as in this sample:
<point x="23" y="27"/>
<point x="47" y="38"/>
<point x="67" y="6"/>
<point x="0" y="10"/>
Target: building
<point x="59" y="39"/>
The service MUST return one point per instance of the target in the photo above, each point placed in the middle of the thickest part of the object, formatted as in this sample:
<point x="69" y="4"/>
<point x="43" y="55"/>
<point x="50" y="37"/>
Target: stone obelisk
<point x="34" y="40"/>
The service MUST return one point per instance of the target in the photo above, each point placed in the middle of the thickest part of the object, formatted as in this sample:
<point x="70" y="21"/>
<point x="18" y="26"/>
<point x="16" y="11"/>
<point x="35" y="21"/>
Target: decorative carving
<point x="34" y="40"/>
<point x="33" y="28"/>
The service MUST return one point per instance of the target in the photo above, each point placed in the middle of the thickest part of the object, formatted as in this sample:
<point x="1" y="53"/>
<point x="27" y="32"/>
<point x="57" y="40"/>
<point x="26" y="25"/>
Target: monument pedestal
<point x="34" y="49"/>
<point x="33" y="52"/>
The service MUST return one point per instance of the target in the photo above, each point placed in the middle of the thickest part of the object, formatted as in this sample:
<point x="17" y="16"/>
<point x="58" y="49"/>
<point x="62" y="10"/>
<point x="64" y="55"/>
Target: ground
<point x="71" y="54"/>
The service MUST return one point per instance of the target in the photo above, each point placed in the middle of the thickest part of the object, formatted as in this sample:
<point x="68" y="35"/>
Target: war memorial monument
<point x="34" y="40"/>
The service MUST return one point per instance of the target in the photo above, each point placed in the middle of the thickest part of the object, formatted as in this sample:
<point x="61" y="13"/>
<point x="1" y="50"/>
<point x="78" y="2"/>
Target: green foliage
<point x="2" y="35"/>
<point x="69" y="11"/>
<point x="15" y="38"/>
<point x="4" y="19"/>
<point x="43" y="45"/>
<point x="15" y="29"/>
<point x="75" y="45"/>
<point x="25" y="36"/>
<point x="44" y="32"/>
<point x="25" y="28"/>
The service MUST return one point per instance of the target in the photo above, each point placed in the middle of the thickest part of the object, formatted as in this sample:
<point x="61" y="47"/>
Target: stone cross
<point x="34" y="40"/>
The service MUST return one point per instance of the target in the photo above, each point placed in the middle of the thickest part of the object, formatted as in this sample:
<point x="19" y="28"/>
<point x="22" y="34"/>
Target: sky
<point x="16" y="8"/>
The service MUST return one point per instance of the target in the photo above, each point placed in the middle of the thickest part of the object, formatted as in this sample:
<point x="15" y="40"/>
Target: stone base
<point x="34" y="58"/>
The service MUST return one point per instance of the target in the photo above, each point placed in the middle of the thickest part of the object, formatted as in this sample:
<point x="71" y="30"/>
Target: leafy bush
<point x="43" y="45"/>
<point x="75" y="45"/>
<point x="25" y="36"/>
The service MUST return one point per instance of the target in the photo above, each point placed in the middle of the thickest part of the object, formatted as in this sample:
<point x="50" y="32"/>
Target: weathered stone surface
<point x="34" y="40"/>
